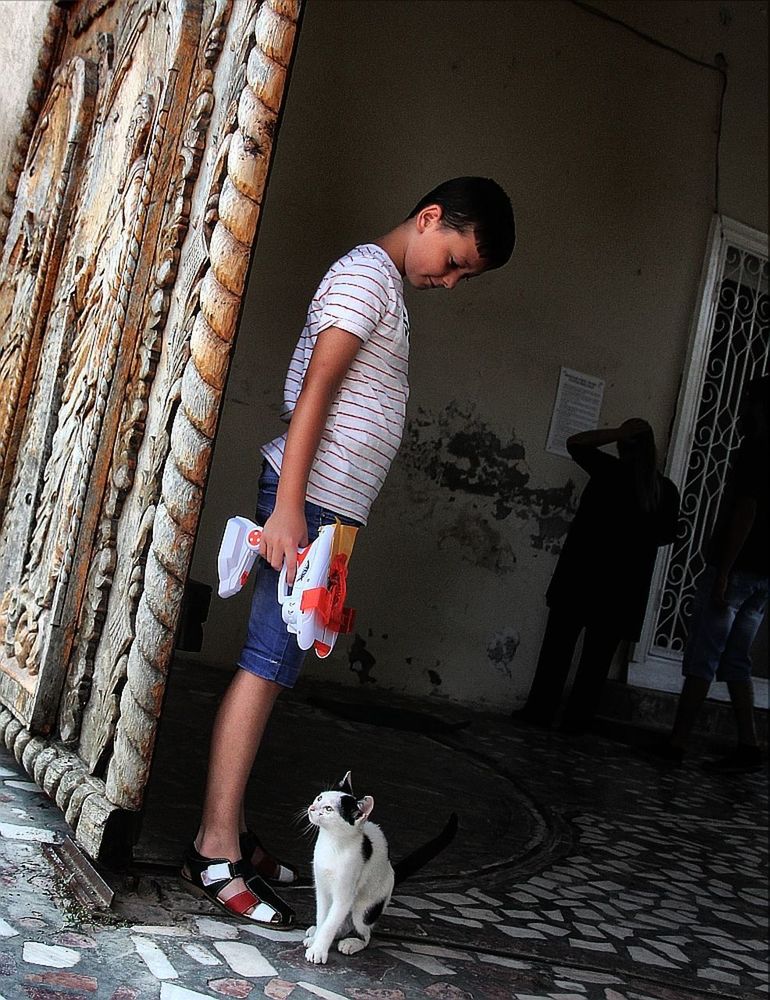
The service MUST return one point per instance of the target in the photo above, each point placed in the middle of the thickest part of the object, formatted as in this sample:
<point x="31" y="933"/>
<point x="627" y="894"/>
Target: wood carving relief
<point x="85" y="332"/>
<point x="108" y="624"/>
<point x="87" y="339"/>
<point x="35" y="238"/>
<point x="87" y="13"/>
<point x="46" y="56"/>
<point x="158" y="126"/>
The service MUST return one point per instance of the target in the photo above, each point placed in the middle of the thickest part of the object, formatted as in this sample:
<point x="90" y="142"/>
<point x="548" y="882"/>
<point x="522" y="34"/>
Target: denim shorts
<point x="719" y="639"/>
<point x="270" y="651"/>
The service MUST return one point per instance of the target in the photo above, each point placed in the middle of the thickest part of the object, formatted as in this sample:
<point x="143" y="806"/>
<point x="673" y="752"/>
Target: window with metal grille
<point x="729" y="348"/>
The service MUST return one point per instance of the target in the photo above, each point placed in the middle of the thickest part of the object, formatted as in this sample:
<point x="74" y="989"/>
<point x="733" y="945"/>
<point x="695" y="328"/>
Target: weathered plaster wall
<point x="606" y="144"/>
<point x="24" y="23"/>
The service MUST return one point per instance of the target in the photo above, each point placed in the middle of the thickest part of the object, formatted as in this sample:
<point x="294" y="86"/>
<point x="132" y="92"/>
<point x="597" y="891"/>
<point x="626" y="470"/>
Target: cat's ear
<point x="365" y="806"/>
<point x="346" y="785"/>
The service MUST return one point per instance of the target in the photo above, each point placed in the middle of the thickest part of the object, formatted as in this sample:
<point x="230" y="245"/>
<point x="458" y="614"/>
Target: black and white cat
<point x="353" y="876"/>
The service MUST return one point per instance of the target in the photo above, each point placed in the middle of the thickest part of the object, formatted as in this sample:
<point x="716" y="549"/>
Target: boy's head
<point x="464" y="226"/>
<point x="480" y="206"/>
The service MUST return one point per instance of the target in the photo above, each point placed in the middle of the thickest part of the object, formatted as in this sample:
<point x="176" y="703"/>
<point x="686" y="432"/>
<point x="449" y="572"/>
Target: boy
<point x="345" y="397"/>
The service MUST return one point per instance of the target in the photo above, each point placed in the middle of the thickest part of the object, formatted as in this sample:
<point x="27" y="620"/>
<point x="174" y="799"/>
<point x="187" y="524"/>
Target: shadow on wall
<point x="457" y="452"/>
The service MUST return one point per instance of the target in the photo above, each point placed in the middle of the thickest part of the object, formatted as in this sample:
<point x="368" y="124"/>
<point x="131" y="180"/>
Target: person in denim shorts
<point x="731" y="599"/>
<point x="345" y="402"/>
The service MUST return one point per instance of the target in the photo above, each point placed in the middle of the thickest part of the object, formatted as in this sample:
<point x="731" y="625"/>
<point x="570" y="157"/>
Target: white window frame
<point x="650" y="666"/>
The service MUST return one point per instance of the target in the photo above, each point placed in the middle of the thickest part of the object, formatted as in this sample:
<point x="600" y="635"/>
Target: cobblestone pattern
<point x="663" y="898"/>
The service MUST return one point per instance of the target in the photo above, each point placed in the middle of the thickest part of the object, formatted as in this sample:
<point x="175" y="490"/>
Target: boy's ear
<point x="430" y="215"/>
<point x="365" y="806"/>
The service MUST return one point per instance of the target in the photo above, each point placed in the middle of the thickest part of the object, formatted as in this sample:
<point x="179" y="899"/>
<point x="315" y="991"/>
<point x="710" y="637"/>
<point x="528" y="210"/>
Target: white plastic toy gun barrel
<point x="239" y="549"/>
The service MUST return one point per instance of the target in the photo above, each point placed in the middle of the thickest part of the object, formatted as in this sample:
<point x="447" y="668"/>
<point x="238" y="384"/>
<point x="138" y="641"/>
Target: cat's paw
<point x="349" y="946"/>
<point x="309" y="935"/>
<point x="316" y="954"/>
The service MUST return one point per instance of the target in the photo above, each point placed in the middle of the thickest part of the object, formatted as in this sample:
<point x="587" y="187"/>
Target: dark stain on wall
<point x="553" y="529"/>
<point x="361" y="660"/>
<point x="478" y="542"/>
<point x="460" y="453"/>
<point x="501" y="650"/>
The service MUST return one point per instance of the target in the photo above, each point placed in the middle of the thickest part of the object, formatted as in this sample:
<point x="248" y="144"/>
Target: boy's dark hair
<point x="480" y="204"/>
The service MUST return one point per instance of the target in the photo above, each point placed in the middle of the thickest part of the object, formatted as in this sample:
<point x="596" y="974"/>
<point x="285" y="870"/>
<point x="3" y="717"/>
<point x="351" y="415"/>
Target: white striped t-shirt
<point x="362" y="293"/>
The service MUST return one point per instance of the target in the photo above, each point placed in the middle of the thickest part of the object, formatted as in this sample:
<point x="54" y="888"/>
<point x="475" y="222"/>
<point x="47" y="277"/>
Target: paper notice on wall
<point x="577" y="407"/>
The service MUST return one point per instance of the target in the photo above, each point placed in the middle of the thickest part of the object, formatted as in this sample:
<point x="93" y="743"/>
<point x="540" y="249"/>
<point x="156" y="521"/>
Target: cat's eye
<point x="327" y="809"/>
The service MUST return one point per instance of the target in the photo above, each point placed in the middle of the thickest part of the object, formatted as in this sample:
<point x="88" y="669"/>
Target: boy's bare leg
<point x="235" y="740"/>
<point x="742" y="698"/>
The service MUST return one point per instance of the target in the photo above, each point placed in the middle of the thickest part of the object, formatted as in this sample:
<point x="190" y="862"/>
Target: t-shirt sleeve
<point x="353" y="296"/>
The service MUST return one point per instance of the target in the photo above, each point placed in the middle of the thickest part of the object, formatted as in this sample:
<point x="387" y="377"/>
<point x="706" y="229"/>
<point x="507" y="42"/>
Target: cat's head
<point x="339" y="809"/>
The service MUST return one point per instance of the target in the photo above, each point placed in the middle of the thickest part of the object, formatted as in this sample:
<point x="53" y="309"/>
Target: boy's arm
<point x="286" y="529"/>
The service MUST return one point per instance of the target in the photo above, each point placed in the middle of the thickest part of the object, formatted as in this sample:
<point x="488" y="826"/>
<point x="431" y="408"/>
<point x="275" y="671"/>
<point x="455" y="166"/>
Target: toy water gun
<point x="313" y="609"/>
<point x="237" y="553"/>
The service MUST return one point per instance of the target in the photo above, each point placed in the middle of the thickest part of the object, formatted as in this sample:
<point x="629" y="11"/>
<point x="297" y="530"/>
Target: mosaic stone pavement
<point x="642" y="883"/>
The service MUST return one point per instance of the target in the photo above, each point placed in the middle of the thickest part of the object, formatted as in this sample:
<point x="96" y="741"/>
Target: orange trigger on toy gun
<point x="329" y="602"/>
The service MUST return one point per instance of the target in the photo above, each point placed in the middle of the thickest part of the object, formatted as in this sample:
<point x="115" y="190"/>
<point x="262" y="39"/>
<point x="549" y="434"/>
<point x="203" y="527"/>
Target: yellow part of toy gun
<point x="313" y="607"/>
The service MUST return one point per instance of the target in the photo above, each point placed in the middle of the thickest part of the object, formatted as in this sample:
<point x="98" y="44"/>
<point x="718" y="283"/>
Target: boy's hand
<point x="284" y="532"/>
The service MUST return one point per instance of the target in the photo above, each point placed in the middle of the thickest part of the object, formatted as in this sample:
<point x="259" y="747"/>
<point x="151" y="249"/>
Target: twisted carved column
<point x="203" y="381"/>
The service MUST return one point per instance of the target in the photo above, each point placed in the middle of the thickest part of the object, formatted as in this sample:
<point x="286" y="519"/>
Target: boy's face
<point x="437" y="256"/>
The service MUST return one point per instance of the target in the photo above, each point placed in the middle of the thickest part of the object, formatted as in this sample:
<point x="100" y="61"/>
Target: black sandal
<point x="268" y="868"/>
<point x="209" y="876"/>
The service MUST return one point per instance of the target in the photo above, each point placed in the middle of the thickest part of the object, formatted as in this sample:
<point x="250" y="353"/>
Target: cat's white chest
<point x="331" y="858"/>
<point x="329" y="877"/>
<point x="341" y="865"/>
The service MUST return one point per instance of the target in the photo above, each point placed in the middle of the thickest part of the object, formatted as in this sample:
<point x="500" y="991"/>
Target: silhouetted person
<point x="731" y="598"/>
<point x="602" y="578"/>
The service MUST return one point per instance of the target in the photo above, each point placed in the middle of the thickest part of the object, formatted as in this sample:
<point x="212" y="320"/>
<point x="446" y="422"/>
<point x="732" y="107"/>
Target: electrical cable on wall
<point x="718" y="66"/>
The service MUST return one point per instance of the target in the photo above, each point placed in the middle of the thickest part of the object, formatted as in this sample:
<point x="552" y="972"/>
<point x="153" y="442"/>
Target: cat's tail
<point x="417" y="859"/>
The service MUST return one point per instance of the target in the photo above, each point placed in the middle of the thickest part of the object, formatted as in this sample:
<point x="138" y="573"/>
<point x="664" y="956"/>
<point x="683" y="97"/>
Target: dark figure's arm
<point x="583" y="447"/>
<point x="742" y="515"/>
<point x="607" y="435"/>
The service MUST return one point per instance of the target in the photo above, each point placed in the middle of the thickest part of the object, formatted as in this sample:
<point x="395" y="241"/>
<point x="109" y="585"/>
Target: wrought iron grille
<point x="737" y="352"/>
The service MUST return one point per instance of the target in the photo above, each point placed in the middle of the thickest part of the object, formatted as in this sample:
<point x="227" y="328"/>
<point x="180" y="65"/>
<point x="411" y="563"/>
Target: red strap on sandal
<point x="241" y="902"/>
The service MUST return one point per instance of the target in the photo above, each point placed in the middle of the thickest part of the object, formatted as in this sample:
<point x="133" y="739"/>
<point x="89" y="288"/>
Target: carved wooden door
<point x="125" y="259"/>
